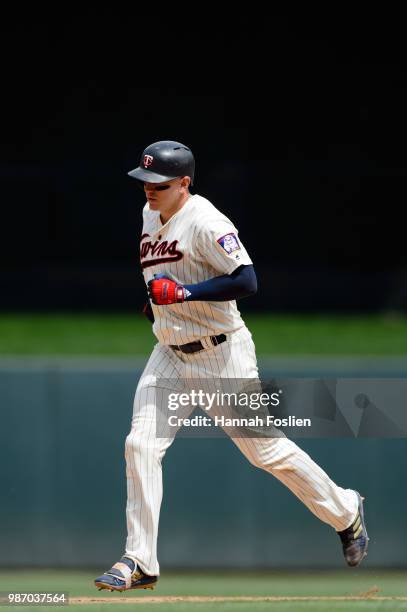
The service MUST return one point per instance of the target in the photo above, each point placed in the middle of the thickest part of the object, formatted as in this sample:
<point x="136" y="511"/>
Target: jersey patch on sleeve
<point x="229" y="243"/>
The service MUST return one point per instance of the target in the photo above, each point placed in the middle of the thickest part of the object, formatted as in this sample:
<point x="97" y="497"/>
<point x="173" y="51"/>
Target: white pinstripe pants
<point x="144" y="451"/>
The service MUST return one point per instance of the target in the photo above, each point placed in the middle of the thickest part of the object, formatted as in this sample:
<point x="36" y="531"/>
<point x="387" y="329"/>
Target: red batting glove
<point x="163" y="291"/>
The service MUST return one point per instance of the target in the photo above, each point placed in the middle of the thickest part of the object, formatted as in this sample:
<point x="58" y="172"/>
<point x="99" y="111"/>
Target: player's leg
<point x="144" y="450"/>
<point x="279" y="456"/>
<point x="291" y="465"/>
<point x="341" y="508"/>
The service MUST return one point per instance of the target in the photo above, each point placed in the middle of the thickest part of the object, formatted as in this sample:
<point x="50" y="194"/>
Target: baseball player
<point x="195" y="267"/>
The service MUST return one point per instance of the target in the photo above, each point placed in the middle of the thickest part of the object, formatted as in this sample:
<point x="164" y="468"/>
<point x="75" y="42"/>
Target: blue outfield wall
<point x="63" y="426"/>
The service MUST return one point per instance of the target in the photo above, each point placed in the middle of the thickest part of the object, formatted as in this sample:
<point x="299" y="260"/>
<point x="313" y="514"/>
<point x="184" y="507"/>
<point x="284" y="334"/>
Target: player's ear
<point x="185" y="181"/>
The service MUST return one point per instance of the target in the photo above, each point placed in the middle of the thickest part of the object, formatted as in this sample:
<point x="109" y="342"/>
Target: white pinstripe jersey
<point x="196" y="244"/>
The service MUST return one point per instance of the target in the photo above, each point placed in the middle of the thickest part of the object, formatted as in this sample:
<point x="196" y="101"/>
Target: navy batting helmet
<point x="163" y="161"/>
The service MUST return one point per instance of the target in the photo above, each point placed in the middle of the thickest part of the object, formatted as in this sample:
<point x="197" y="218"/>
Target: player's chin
<point x="153" y="204"/>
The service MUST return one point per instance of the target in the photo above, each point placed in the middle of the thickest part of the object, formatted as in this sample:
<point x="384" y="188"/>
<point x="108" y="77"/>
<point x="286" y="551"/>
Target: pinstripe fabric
<point x="278" y="456"/>
<point x="189" y="247"/>
<point x="188" y="243"/>
<point x="144" y="452"/>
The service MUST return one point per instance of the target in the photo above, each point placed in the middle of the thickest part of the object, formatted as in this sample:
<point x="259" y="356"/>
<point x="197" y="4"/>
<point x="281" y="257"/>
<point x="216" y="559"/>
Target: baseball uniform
<point x="196" y="244"/>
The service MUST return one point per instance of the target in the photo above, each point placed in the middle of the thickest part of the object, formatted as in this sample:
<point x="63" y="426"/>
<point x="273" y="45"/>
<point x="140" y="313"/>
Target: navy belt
<point x="193" y="347"/>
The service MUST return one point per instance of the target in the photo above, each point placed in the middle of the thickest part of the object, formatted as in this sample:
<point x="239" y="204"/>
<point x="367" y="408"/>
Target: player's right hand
<point x="163" y="291"/>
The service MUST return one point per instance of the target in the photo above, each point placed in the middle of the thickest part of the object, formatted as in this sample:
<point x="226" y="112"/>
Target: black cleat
<point x="125" y="575"/>
<point x="355" y="539"/>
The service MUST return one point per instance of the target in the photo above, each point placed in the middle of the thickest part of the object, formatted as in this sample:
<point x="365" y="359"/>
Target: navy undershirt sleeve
<point x="241" y="283"/>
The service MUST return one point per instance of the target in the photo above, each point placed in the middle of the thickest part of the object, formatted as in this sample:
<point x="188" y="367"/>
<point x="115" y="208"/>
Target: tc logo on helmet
<point x="148" y="160"/>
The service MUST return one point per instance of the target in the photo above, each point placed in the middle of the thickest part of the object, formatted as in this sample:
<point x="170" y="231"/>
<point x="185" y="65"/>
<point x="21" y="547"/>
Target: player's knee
<point x="252" y="456"/>
<point x="134" y="444"/>
<point x="139" y="446"/>
<point x="255" y="460"/>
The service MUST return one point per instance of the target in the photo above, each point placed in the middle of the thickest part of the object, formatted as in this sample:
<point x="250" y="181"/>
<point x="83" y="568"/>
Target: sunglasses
<point x="158" y="187"/>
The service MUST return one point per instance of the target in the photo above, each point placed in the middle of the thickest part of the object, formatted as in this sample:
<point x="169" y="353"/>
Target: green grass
<point x="244" y="583"/>
<point x="129" y="335"/>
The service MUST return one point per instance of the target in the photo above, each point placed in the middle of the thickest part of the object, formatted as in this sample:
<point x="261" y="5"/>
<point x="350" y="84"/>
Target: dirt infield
<point x="199" y="599"/>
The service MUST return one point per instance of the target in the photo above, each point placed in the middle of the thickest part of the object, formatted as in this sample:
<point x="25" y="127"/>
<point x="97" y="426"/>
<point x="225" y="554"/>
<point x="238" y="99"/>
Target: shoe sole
<point x="362" y="516"/>
<point x="103" y="586"/>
